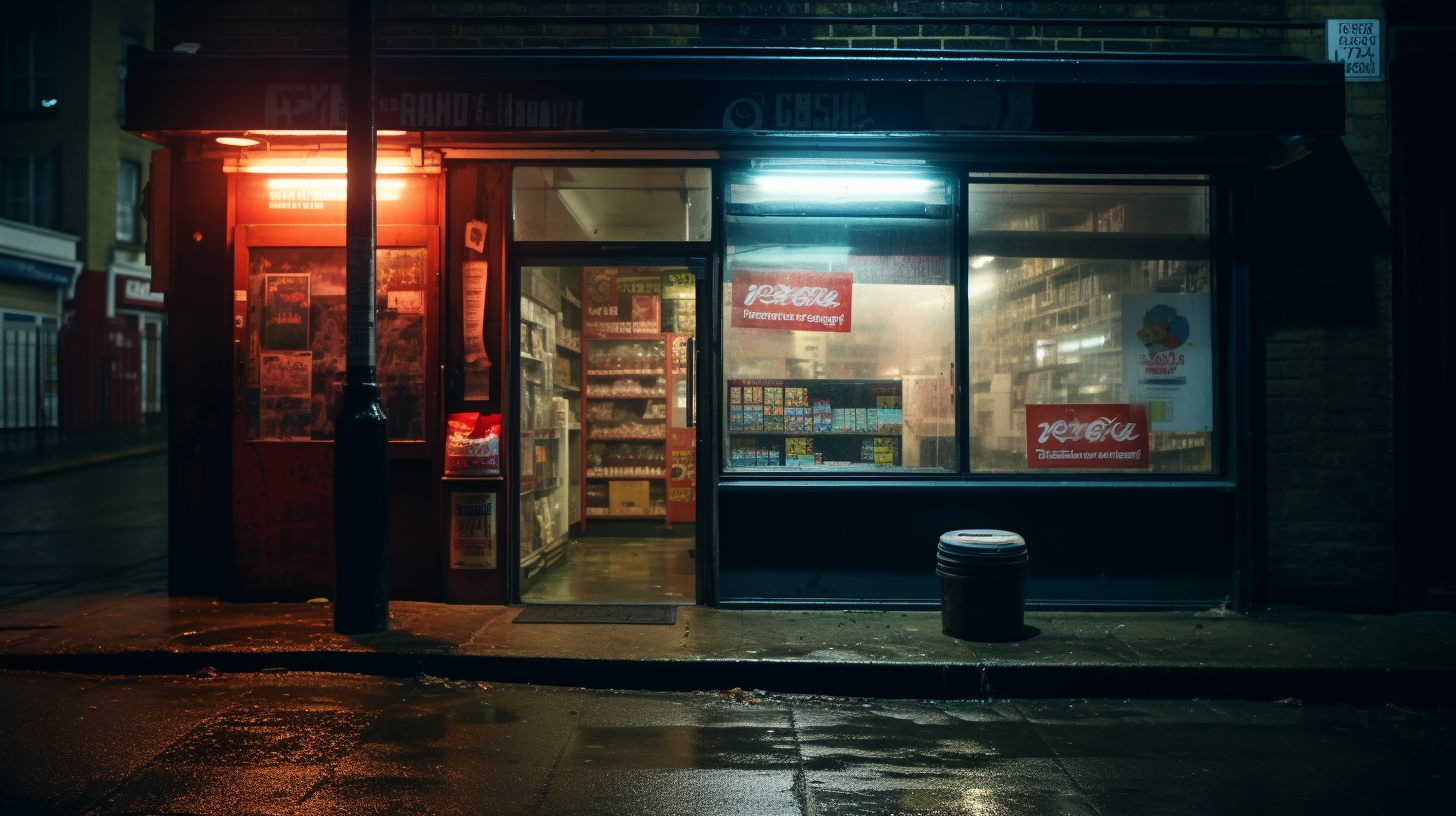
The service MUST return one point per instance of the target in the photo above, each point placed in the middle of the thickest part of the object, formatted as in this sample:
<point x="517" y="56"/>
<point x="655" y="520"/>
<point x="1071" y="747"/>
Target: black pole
<point x="361" y="478"/>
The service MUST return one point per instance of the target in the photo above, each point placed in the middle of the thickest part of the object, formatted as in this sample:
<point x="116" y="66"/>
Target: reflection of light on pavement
<point x="979" y="801"/>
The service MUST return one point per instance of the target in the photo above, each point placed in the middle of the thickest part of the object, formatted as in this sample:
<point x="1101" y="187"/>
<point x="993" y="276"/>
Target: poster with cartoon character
<point x="1167" y="359"/>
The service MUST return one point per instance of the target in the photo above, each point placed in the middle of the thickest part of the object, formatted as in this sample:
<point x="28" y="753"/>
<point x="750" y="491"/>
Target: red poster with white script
<point x="797" y="301"/>
<point x="1087" y="435"/>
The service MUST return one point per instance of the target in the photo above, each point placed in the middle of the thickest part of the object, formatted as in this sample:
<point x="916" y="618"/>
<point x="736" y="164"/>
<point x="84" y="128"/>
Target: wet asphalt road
<point x="340" y="744"/>
<point x="68" y="531"/>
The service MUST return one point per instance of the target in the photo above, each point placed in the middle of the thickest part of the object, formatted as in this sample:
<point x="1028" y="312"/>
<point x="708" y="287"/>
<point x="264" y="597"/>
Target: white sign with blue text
<point x="1357" y="44"/>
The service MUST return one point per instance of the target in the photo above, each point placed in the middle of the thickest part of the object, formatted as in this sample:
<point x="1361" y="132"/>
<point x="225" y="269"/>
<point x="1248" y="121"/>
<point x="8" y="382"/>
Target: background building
<point x="82" y="327"/>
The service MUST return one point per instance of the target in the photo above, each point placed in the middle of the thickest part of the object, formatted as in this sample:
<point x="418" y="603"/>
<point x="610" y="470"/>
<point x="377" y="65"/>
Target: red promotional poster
<point x="1087" y="435"/>
<point x="798" y="301"/>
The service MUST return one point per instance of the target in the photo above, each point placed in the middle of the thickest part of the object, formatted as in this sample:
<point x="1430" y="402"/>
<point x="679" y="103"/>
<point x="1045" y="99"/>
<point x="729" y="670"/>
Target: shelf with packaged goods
<point x="655" y="477"/>
<point x="629" y="372"/>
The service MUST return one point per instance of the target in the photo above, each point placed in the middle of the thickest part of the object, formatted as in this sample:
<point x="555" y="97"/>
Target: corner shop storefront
<point x="785" y="317"/>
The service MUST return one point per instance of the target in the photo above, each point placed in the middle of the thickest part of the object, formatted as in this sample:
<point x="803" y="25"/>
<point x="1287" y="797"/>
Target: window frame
<point x="32" y="41"/>
<point x="39" y="210"/>
<point x="1228" y="287"/>
<point x="128" y="208"/>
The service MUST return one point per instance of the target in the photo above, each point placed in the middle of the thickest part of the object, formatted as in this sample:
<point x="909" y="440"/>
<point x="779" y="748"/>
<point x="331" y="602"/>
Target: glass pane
<point x="839" y="320"/>
<point x="612" y="203"/>
<point x="1091" y="328"/>
<point x="296" y="341"/>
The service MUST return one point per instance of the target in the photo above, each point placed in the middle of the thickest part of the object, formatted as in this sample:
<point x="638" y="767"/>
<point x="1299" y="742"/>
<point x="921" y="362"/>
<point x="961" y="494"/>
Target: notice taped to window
<point x="472" y="531"/>
<point x="791" y="301"/>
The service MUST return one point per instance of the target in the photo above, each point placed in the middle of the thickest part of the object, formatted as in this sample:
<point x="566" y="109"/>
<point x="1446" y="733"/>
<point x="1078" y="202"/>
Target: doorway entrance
<point x="607" y="503"/>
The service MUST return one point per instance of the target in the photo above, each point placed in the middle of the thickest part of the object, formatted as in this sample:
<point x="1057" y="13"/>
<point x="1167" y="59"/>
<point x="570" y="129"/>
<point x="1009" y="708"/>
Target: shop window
<point x="30" y="71"/>
<point x="29" y="184"/>
<point x="296" y="338"/>
<point x="1091" y="343"/>
<point x="839" y="320"/>
<point x="128" y="196"/>
<point x="668" y="204"/>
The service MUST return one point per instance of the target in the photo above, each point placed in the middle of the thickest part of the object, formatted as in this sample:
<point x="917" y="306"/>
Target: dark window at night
<point x="29" y="185"/>
<point x="30" y="71"/>
<point x="127" y="41"/>
<point x="128" y="195"/>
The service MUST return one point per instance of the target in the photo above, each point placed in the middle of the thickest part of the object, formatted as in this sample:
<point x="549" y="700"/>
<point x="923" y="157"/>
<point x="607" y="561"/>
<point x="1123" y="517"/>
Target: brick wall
<point x="1322" y="266"/>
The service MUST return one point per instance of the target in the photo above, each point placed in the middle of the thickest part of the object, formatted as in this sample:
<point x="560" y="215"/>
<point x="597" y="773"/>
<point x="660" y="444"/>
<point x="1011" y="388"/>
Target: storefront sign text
<point x="1087" y="435"/>
<point x="798" y="301"/>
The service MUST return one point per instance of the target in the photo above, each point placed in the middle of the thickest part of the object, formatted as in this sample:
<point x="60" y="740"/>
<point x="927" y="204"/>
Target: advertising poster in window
<point x="400" y="339"/>
<point x="472" y="531"/>
<point x="285" y="312"/>
<point x="791" y="301"/>
<point x="1087" y="435"/>
<point x="1167" y="359"/>
<point x="620" y="302"/>
<point x="286" y="393"/>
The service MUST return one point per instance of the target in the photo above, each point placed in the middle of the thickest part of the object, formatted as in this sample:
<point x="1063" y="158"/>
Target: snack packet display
<point x="472" y="446"/>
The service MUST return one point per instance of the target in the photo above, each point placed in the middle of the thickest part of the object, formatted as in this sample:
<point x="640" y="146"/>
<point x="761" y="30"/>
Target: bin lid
<point x="982" y="540"/>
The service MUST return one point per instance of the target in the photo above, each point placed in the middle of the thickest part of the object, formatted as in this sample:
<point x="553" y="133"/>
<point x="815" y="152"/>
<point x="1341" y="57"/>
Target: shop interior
<point x="607" y="443"/>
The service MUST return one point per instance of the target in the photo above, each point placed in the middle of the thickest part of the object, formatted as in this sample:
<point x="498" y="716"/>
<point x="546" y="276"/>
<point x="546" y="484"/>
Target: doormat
<point x="598" y="613"/>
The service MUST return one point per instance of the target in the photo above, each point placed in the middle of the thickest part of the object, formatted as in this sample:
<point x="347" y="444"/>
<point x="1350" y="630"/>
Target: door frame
<point x="702" y="261"/>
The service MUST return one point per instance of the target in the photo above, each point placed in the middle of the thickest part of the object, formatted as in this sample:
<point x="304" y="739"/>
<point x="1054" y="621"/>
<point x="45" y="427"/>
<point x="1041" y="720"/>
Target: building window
<point x="839" y="326"/>
<point x="128" y="195"/>
<point x="1092" y="344"/>
<point x="29" y="184"/>
<point x="30" y="71"/>
<point x="127" y="41"/>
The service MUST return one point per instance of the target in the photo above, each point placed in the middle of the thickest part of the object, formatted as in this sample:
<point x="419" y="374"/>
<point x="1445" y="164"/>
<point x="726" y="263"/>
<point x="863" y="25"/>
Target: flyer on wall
<point x="1167" y="359"/>
<point x="472" y="531"/>
<point x="477" y="361"/>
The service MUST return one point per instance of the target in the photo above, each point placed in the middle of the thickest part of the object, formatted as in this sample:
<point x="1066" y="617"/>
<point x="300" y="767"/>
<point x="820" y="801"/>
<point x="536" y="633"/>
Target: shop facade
<point x="699" y="327"/>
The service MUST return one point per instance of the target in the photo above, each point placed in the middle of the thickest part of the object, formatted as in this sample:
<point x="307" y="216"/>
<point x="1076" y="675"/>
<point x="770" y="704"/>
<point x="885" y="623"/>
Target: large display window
<point x="1091" y="343"/>
<point x="839" y="319"/>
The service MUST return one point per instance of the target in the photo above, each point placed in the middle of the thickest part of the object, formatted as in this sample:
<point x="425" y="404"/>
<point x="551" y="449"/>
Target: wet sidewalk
<point x="30" y="453"/>
<point x="124" y="624"/>
<point x="127" y="628"/>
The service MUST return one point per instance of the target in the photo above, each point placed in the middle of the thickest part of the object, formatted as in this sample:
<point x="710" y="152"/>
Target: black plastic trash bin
<point x="982" y="584"/>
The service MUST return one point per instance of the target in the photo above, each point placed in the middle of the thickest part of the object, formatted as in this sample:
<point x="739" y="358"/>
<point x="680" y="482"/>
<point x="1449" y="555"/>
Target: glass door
<point x="607" y="452"/>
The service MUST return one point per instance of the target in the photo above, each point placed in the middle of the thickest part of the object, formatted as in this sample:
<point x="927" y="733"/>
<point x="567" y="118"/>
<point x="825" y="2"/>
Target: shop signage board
<point x="1167" y="359"/>
<point x="1358" y="45"/>
<point x="806" y="91"/>
<point x="137" y="292"/>
<point x="1087" y="435"/>
<point x="791" y="301"/>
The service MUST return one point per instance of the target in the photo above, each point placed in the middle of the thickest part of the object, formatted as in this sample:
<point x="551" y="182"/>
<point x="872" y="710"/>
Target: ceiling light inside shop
<point x="236" y="141"/>
<point x="980" y="285"/>
<point x="839" y="186"/>
<point x="981" y="260"/>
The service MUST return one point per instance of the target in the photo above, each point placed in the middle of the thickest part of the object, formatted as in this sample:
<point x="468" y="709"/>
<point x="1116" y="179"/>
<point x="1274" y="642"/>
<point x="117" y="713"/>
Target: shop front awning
<point x="731" y="93"/>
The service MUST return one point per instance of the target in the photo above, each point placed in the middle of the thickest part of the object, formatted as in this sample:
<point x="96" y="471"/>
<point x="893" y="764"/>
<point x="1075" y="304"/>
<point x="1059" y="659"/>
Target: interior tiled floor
<point x="618" y="570"/>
